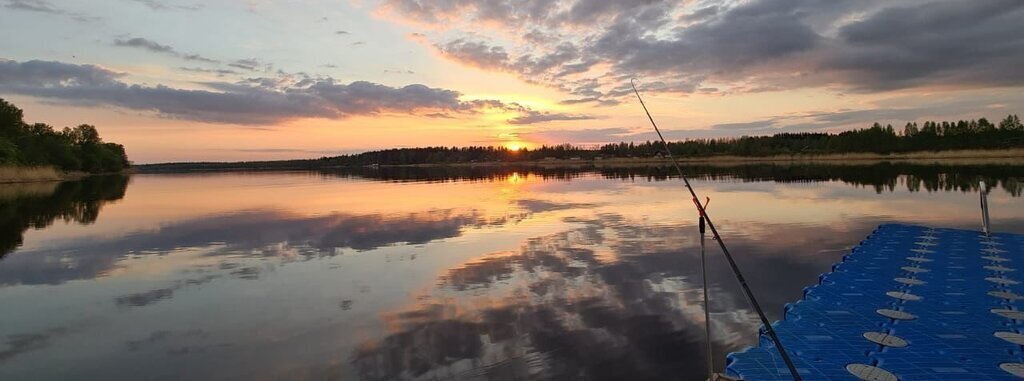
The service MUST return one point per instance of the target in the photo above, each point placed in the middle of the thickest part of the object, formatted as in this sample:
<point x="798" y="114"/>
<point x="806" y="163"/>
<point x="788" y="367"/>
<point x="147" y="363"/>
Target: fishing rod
<point x="707" y="303"/>
<point x="725" y="250"/>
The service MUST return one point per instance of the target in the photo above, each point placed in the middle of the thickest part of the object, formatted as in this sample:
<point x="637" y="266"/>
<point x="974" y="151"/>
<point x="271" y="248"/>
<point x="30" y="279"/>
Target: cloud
<point x="218" y="72"/>
<point x="532" y="117"/>
<point x="476" y="53"/>
<point x="259" y="233"/>
<point x="196" y="57"/>
<point x="158" y="5"/>
<point x="153" y="46"/>
<point x="341" y="32"/>
<point x="42" y="6"/>
<point x="747" y="126"/>
<point x="623" y="315"/>
<point x="18" y="344"/>
<point x="34" y="6"/>
<point x="590" y="48"/>
<point x="143" y="43"/>
<point x="256" y="101"/>
<point x="952" y="43"/>
<point x="596" y="135"/>
<point x="145" y="298"/>
<point x="251" y="64"/>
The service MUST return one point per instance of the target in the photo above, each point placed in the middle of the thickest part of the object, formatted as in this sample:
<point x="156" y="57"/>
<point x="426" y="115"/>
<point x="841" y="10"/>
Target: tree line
<point x="931" y="136"/>
<point x="71" y="149"/>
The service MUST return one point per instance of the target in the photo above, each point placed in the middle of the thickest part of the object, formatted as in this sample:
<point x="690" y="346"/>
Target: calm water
<point x="431" y="274"/>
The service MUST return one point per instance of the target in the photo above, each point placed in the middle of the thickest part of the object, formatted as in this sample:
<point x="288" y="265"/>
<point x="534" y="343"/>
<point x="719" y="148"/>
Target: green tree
<point x="78" y="148"/>
<point x="10" y="120"/>
<point x="8" y="152"/>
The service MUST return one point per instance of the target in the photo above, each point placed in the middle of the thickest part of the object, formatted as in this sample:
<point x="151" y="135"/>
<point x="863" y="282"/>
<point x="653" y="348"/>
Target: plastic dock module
<point x="908" y="303"/>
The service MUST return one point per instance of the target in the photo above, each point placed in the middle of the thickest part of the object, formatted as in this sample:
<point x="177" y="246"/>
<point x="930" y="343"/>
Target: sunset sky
<point x="185" y="80"/>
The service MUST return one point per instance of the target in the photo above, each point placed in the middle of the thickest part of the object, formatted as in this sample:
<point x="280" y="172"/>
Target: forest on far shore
<point x="929" y="136"/>
<point x="977" y="134"/>
<point x="71" y="149"/>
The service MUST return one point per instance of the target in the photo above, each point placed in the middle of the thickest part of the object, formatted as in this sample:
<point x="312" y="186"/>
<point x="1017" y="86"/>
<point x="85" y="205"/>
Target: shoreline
<point x="1013" y="156"/>
<point x="29" y="175"/>
<point x="1006" y="156"/>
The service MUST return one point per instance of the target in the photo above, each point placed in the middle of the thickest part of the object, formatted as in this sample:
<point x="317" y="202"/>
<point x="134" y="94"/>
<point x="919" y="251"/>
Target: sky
<point x="224" y="80"/>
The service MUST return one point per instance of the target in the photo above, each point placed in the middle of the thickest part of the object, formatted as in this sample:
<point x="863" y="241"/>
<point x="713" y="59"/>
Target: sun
<point x="515" y="146"/>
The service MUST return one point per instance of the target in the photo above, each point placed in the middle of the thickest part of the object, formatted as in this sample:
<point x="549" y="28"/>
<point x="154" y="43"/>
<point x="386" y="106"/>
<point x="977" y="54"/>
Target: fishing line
<point x="725" y="250"/>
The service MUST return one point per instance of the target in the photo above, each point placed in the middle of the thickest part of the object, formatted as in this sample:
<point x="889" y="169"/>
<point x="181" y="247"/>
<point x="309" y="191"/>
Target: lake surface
<point x="436" y="273"/>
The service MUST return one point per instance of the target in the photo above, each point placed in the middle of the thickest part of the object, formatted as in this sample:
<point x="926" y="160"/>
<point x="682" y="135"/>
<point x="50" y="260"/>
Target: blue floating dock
<point x="943" y="304"/>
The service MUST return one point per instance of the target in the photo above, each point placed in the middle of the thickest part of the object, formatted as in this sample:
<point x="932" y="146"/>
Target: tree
<point x="83" y="134"/>
<point x="8" y="152"/>
<point x="910" y="129"/>
<point x="71" y="149"/>
<point x="984" y="125"/>
<point x="10" y="120"/>
<point x="1011" y="123"/>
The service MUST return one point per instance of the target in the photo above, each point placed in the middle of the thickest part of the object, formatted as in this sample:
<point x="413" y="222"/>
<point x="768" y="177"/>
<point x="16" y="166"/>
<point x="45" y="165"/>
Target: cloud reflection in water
<point x="613" y="299"/>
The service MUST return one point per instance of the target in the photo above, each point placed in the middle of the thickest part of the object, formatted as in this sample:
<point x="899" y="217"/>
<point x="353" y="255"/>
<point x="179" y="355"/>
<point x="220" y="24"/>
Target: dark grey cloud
<point x="565" y="57"/>
<point x="153" y="46"/>
<point x="759" y="45"/>
<point x="583" y="12"/>
<point x="945" y="42"/>
<point x="341" y="32"/>
<point x="477" y="54"/>
<point x="744" y="36"/>
<point x="259" y="101"/>
<point x="142" y="43"/>
<point x="199" y="58"/>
